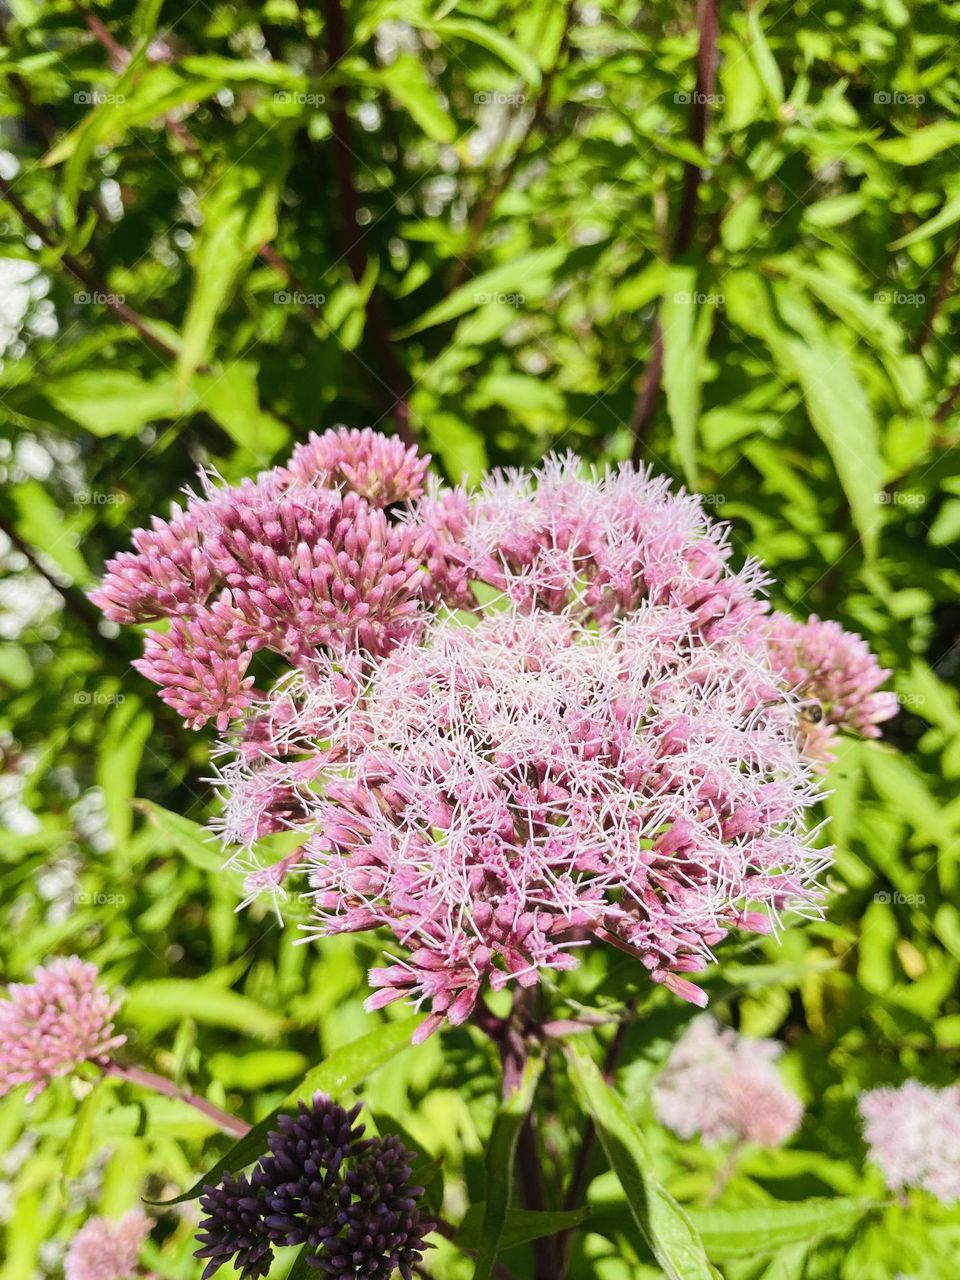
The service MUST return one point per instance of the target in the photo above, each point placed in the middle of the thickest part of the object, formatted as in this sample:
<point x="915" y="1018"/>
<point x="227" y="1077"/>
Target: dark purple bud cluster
<point x="324" y="1185"/>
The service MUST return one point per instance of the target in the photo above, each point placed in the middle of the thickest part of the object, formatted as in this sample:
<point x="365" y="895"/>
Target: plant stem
<point x="354" y="251"/>
<point x="85" y="276"/>
<point x="169" y="1089"/>
<point x="581" y="1164"/>
<point x="707" y="26"/>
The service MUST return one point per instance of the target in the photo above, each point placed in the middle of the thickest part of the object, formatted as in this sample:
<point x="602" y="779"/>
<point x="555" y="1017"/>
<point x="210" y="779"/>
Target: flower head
<point x="723" y="1086"/>
<point x="105" y="1250"/>
<point x="914" y="1137"/>
<point x="380" y="469"/>
<point x="836" y="677"/>
<point x="51" y="1025"/>
<point x="322" y="1184"/>
<point x="512" y="722"/>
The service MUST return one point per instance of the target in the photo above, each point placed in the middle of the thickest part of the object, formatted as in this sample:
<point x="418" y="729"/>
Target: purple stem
<point x="170" y="1089"/>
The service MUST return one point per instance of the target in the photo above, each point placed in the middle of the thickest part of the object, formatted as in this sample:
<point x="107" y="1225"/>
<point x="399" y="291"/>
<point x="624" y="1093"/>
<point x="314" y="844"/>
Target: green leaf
<point x="166" y="1001"/>
<point x="521" y="1226"/>
<point x="763" y="59"/>
<point x="788" y="1264"/>
<point x="113" y="402"/>
<point x="188" y="838"/>
<point x="239" y="217"/>
<point x="524" y="278"/>
<point x="685" y="324"/>
<point x="78" y="1145"/>
<point x="301" y="1269"/>
<point x="922" y="144"/>
<point x="763" y="1229"/>
<point x="948" y="215"/>
<point x="232" y="399"/>
<point x="842" y="418"/>
<point x="501" y="1151"/>
<point x="491" y="39"/>
<point x="344" y="1069"/>
<point x="406" y="80"/>
<point x="665" y="1226"/>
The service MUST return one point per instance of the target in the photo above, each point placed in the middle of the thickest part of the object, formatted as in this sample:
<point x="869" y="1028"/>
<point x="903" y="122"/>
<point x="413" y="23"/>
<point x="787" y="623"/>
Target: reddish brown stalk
<point x="354" y="250"/>
<point x="85" y="276"/>
<point x="169" y="1089"/>
<point x="707" y="25"/>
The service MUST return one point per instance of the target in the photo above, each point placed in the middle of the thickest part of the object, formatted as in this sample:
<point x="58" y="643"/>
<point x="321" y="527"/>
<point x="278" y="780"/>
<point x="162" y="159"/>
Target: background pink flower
<point x="51" y="1025"/>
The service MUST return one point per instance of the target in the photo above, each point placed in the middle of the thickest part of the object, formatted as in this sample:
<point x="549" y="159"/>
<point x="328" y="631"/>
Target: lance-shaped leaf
<point x="667" y="1228"/>
<point x="500" y="1159"/>
<point x="343" y="1069"/>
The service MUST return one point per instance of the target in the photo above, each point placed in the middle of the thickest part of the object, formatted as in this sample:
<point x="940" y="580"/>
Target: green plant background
<point x="187" y="293"/>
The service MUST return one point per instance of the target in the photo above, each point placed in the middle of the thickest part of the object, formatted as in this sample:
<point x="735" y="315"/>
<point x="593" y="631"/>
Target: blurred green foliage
<point x="225" y="225"/>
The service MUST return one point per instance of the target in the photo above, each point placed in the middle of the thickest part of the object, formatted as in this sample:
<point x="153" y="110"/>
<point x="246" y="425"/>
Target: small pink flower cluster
<point x="723" y="1086"/>
<point x="514" y="720"/>
<point x="51" y="1025"/>
<point x="836" y="679"/>
<point x="914" y="1137"/>
<point x="105" y="1250"/>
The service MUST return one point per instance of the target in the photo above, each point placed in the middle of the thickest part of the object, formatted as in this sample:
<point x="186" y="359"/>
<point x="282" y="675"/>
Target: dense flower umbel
<point x="723" y="1086"/>
<point x="105" y="1250"/>
<point x="51" y="1025"/>
<point x="514" y="721"/>
<point x="914" y="1137"/>
<point x="326" y="1186"/>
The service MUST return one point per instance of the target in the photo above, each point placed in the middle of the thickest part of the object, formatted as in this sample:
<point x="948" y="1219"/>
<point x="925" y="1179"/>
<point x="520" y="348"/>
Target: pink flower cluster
<point x="293" y="561"/>
<point x="51" y="1025"/>
<point x="914" y="1137"/>
<point x="836" y="679"/>
<point x="725" y="1087"/>
<point x="105" y="1250"/>
<point x="513" y="721"/>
